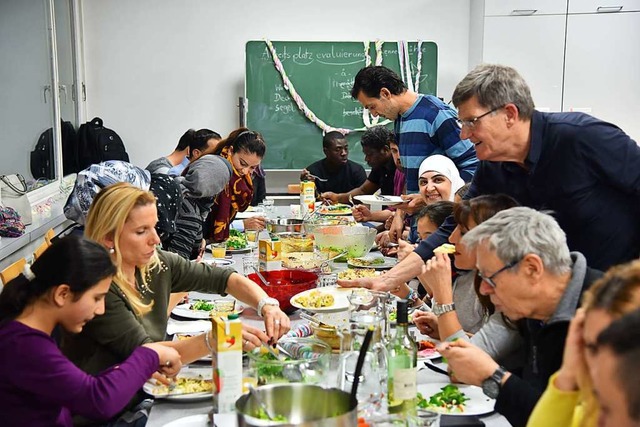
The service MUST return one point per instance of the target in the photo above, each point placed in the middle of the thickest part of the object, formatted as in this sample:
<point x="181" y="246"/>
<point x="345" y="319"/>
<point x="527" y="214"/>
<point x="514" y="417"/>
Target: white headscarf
<point x="444" y="166"/>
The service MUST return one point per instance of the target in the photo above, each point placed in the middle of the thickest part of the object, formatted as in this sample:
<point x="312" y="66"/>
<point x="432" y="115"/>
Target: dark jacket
<point x="544" y="347"/>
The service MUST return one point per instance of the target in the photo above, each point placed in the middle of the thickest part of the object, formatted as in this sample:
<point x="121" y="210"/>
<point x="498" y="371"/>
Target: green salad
<point x="262" y="415"/>
<point x="448" y="400"/>
<point x="202" y="305"/>
<point x="236" y="240"/>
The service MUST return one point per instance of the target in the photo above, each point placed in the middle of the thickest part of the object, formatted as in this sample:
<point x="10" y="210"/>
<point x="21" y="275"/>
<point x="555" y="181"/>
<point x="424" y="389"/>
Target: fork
<point x="351" y="200"/>
<point x="317" y="177"/>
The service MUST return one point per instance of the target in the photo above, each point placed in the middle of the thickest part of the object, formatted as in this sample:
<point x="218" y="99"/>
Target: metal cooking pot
<point x="303" y="405"/>
<point x="284" y="225"/>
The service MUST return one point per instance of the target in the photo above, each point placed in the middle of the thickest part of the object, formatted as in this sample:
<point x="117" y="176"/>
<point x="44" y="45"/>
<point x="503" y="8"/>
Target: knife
<point x="434" y="368"/>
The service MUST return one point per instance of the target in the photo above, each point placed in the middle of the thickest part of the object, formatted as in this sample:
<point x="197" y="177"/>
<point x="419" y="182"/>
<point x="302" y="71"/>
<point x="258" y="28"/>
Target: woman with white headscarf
<point x="438" y="179"/>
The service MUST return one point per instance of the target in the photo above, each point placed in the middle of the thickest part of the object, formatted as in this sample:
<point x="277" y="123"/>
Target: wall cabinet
<point x="524" y="7"/>
<point x="539" y="59"/>
<point x="583" y="60"/>
<point x="601" y="68"/>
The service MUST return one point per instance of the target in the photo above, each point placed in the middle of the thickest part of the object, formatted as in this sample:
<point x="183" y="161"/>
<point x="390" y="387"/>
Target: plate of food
<point x="427" y="350"/>
<point x="237" y="242"/>
<point x="202" y="309"/>
<point x="357" y="273"/>
<point x="379" y="200"/>
<point x="219" y="262"/>
<point x="326" y="299"/>
<point x="337" y="209"/>
<point x="454" y="399"/>
<point x="376" y="262"/>
<point x="191" y="384"/>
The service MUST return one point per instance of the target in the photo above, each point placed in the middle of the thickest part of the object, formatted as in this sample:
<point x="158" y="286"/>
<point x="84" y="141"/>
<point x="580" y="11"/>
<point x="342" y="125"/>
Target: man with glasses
<point x="336" y="172"/>
<point x="531" y="277"/>
<point x="583" y="169"/>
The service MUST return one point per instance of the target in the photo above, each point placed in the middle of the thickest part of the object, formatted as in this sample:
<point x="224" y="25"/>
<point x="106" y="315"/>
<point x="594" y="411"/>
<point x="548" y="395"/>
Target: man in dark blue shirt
<point x="584" y="170"/>
<point x="336" y="172"/>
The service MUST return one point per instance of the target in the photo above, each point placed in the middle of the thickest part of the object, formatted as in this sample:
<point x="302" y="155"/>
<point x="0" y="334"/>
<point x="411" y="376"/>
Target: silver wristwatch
<point x="440" y="309"/>
<point x="266" y="301"/>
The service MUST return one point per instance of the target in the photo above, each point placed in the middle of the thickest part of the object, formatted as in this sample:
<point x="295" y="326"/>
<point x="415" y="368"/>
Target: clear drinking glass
<point x="219" y="250"/>
<point x="249" y="264"/>
<point x="426" y="418"/>
<point x="252" y="238"/>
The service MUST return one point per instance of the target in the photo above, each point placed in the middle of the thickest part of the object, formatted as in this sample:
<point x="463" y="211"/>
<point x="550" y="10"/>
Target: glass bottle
<point x="402" y="354"/>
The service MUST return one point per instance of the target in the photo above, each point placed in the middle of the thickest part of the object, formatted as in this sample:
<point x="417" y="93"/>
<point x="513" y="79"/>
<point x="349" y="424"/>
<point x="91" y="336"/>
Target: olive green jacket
<point x="109" y="339"/>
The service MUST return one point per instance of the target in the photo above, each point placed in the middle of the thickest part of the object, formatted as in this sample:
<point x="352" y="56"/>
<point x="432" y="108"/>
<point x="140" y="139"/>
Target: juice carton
<point x="307" y="197"/>
<point x="270" y="254"/>
<point x="226" y="362"/>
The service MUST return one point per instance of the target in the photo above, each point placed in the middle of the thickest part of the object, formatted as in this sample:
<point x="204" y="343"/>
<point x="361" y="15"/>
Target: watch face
<point x="491" y="388"/>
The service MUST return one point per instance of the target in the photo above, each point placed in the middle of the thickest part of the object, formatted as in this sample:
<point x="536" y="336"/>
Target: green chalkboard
<point x="322" y="74"/>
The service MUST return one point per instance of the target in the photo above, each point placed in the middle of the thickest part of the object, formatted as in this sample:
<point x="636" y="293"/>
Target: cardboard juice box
<point x="270" y="255"/>
<point x="226" y="362"/>
<point x="307" y="197"/>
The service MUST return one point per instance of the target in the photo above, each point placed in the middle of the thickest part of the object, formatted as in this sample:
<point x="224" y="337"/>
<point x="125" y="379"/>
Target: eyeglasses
<point x="470" y="124"/>
<point x="489" y="279"/>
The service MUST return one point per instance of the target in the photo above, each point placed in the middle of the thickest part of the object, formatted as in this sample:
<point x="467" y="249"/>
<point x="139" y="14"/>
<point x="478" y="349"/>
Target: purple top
<point x="40" y="386"/>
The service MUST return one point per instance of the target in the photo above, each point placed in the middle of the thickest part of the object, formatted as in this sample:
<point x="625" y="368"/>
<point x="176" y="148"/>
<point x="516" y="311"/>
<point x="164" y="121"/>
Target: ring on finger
<point x="277" y="322"/>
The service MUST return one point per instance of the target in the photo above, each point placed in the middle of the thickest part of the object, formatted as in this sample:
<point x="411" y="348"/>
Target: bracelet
<point x="207" y="342"/>
<point x="412" y="295"/>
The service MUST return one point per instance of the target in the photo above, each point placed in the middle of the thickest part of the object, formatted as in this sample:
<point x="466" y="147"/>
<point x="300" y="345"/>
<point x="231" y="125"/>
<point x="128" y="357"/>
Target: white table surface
<point x="164" y="412"/>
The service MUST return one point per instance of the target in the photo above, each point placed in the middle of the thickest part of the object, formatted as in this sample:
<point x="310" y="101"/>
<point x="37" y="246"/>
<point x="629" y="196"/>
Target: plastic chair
<point x="12" y="271"/>
<point x="49" y="236"/>
<point x="40" y="250"/>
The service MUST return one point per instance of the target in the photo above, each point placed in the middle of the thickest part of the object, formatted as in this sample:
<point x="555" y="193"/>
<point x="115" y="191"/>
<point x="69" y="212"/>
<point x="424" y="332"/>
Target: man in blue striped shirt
<point x="424" y="125"/>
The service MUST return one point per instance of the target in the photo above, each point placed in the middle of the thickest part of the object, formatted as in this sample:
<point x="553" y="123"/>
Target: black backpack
<point x="42" y="158"/>
<point x="42" y="162"/>
<point x="97" y="143"/>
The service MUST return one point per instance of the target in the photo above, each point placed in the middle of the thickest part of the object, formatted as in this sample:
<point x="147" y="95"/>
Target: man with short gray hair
<point x="531" y="277"/>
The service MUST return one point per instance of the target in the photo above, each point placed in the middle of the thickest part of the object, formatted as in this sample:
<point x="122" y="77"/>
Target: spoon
<point x="260" y="276"/>
<point x="256" y="396"/>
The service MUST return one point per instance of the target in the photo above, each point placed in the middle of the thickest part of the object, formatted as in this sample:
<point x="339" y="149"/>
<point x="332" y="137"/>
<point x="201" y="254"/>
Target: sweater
<point x="558" y="408"/>
<point x="42" y="387"/>
<point x="112" y="337"/>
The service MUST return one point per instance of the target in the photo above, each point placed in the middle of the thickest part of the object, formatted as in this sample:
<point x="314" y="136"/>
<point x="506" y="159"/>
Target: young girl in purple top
<point x="66" y="286"/>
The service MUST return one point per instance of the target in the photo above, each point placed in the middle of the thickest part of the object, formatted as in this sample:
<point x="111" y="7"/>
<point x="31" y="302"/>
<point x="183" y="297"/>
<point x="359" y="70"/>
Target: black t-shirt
<point x="351" y="175"/>
<point x="383" y="175"/>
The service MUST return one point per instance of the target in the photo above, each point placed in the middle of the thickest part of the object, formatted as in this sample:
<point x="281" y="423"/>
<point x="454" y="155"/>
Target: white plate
<point x="387" y="264"/>
<point x="339" y="295"/>
<point x="184" y="310"/>
<point x="220" y="262"/>
<point x="201" y="420"/>
<point x="204" y="373"/>
<point x="478" y="404"/>
<point x="248" y="214"/>
<point x="239" y="251"/>
<point x="372" y="200"/>
<point x="428" y="355"/>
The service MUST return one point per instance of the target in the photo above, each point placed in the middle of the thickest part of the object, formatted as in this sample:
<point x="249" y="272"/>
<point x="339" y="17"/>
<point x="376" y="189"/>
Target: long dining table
<point x="186" y="413"/>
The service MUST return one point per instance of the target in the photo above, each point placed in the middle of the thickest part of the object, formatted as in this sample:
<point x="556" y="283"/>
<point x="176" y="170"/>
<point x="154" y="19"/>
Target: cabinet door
<point x="533" y="45"/>
<point x="603" y="6"/>
<point x="602" y="63"/>
<point x="524" y="7"/>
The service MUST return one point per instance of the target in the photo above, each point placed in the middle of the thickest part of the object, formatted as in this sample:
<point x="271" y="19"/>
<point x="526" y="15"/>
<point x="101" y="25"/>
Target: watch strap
<point x="266" y="301"/>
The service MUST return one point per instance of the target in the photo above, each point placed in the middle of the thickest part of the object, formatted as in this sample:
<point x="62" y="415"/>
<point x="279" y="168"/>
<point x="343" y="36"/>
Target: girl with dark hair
<point x="65" y="286"/>
<point x="244" y="149"/>
<point x="457" y="311"/>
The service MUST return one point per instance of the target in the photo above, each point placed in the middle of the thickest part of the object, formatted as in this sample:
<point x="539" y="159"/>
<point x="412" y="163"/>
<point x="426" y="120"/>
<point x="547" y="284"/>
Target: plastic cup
<point x="219" y="250"/>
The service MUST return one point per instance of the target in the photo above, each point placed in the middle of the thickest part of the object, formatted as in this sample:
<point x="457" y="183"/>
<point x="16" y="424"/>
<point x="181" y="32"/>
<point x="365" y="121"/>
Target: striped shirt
<point x="429" y="127"/>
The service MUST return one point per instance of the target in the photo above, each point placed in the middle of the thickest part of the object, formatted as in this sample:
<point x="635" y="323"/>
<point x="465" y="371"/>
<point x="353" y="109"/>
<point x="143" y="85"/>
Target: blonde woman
<point x="568" y="399"/>
<point x="122" y="218"/>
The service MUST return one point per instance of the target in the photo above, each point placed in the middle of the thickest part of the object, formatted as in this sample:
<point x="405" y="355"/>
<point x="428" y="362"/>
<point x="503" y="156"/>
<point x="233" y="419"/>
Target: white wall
<point x="157" y="67"/>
